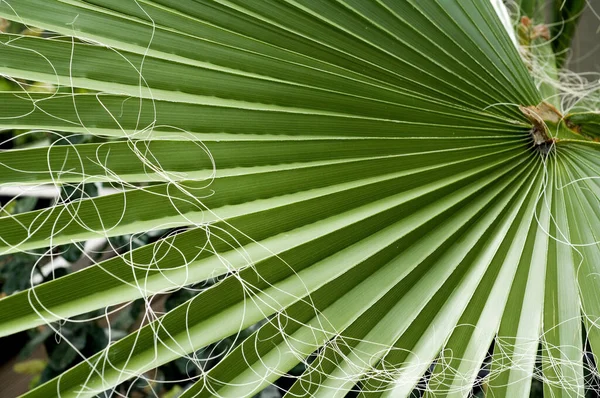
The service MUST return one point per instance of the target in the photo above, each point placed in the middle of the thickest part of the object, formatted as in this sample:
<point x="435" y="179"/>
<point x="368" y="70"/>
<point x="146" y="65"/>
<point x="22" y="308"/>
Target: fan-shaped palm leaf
<point x="372" y="177"/>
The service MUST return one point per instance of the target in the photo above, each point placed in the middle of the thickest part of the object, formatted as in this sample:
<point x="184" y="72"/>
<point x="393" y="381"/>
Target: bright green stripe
<point x="257" y="224"/>
<point x="167" y="205"/>
<point x="193" y="319"/>
<point x="187" y="32"/>
<point x="517" y="343"/>
<point x="137" y="161"/>
<point x="412" y="355"/>
<point x="389" y="18"/>
<point x="371" y="340"/>
<point x="467" y="347"/>
<point x="122" y="116"/>
<point x="99" y="68"/>
<point x="583" y="216"/>
<point x="417" y="79"/>
<point x="562" y="337"/>
<point x="382" y="279"/>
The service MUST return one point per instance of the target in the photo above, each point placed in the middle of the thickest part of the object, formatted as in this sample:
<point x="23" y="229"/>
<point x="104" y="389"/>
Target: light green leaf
<point x="376" y="187"/>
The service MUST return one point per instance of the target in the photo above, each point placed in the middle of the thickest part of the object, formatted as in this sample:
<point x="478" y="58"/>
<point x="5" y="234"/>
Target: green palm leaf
<point x="363" y="175"/>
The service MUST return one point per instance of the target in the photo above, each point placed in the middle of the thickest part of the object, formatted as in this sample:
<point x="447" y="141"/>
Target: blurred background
<point x="585" y="55"/>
